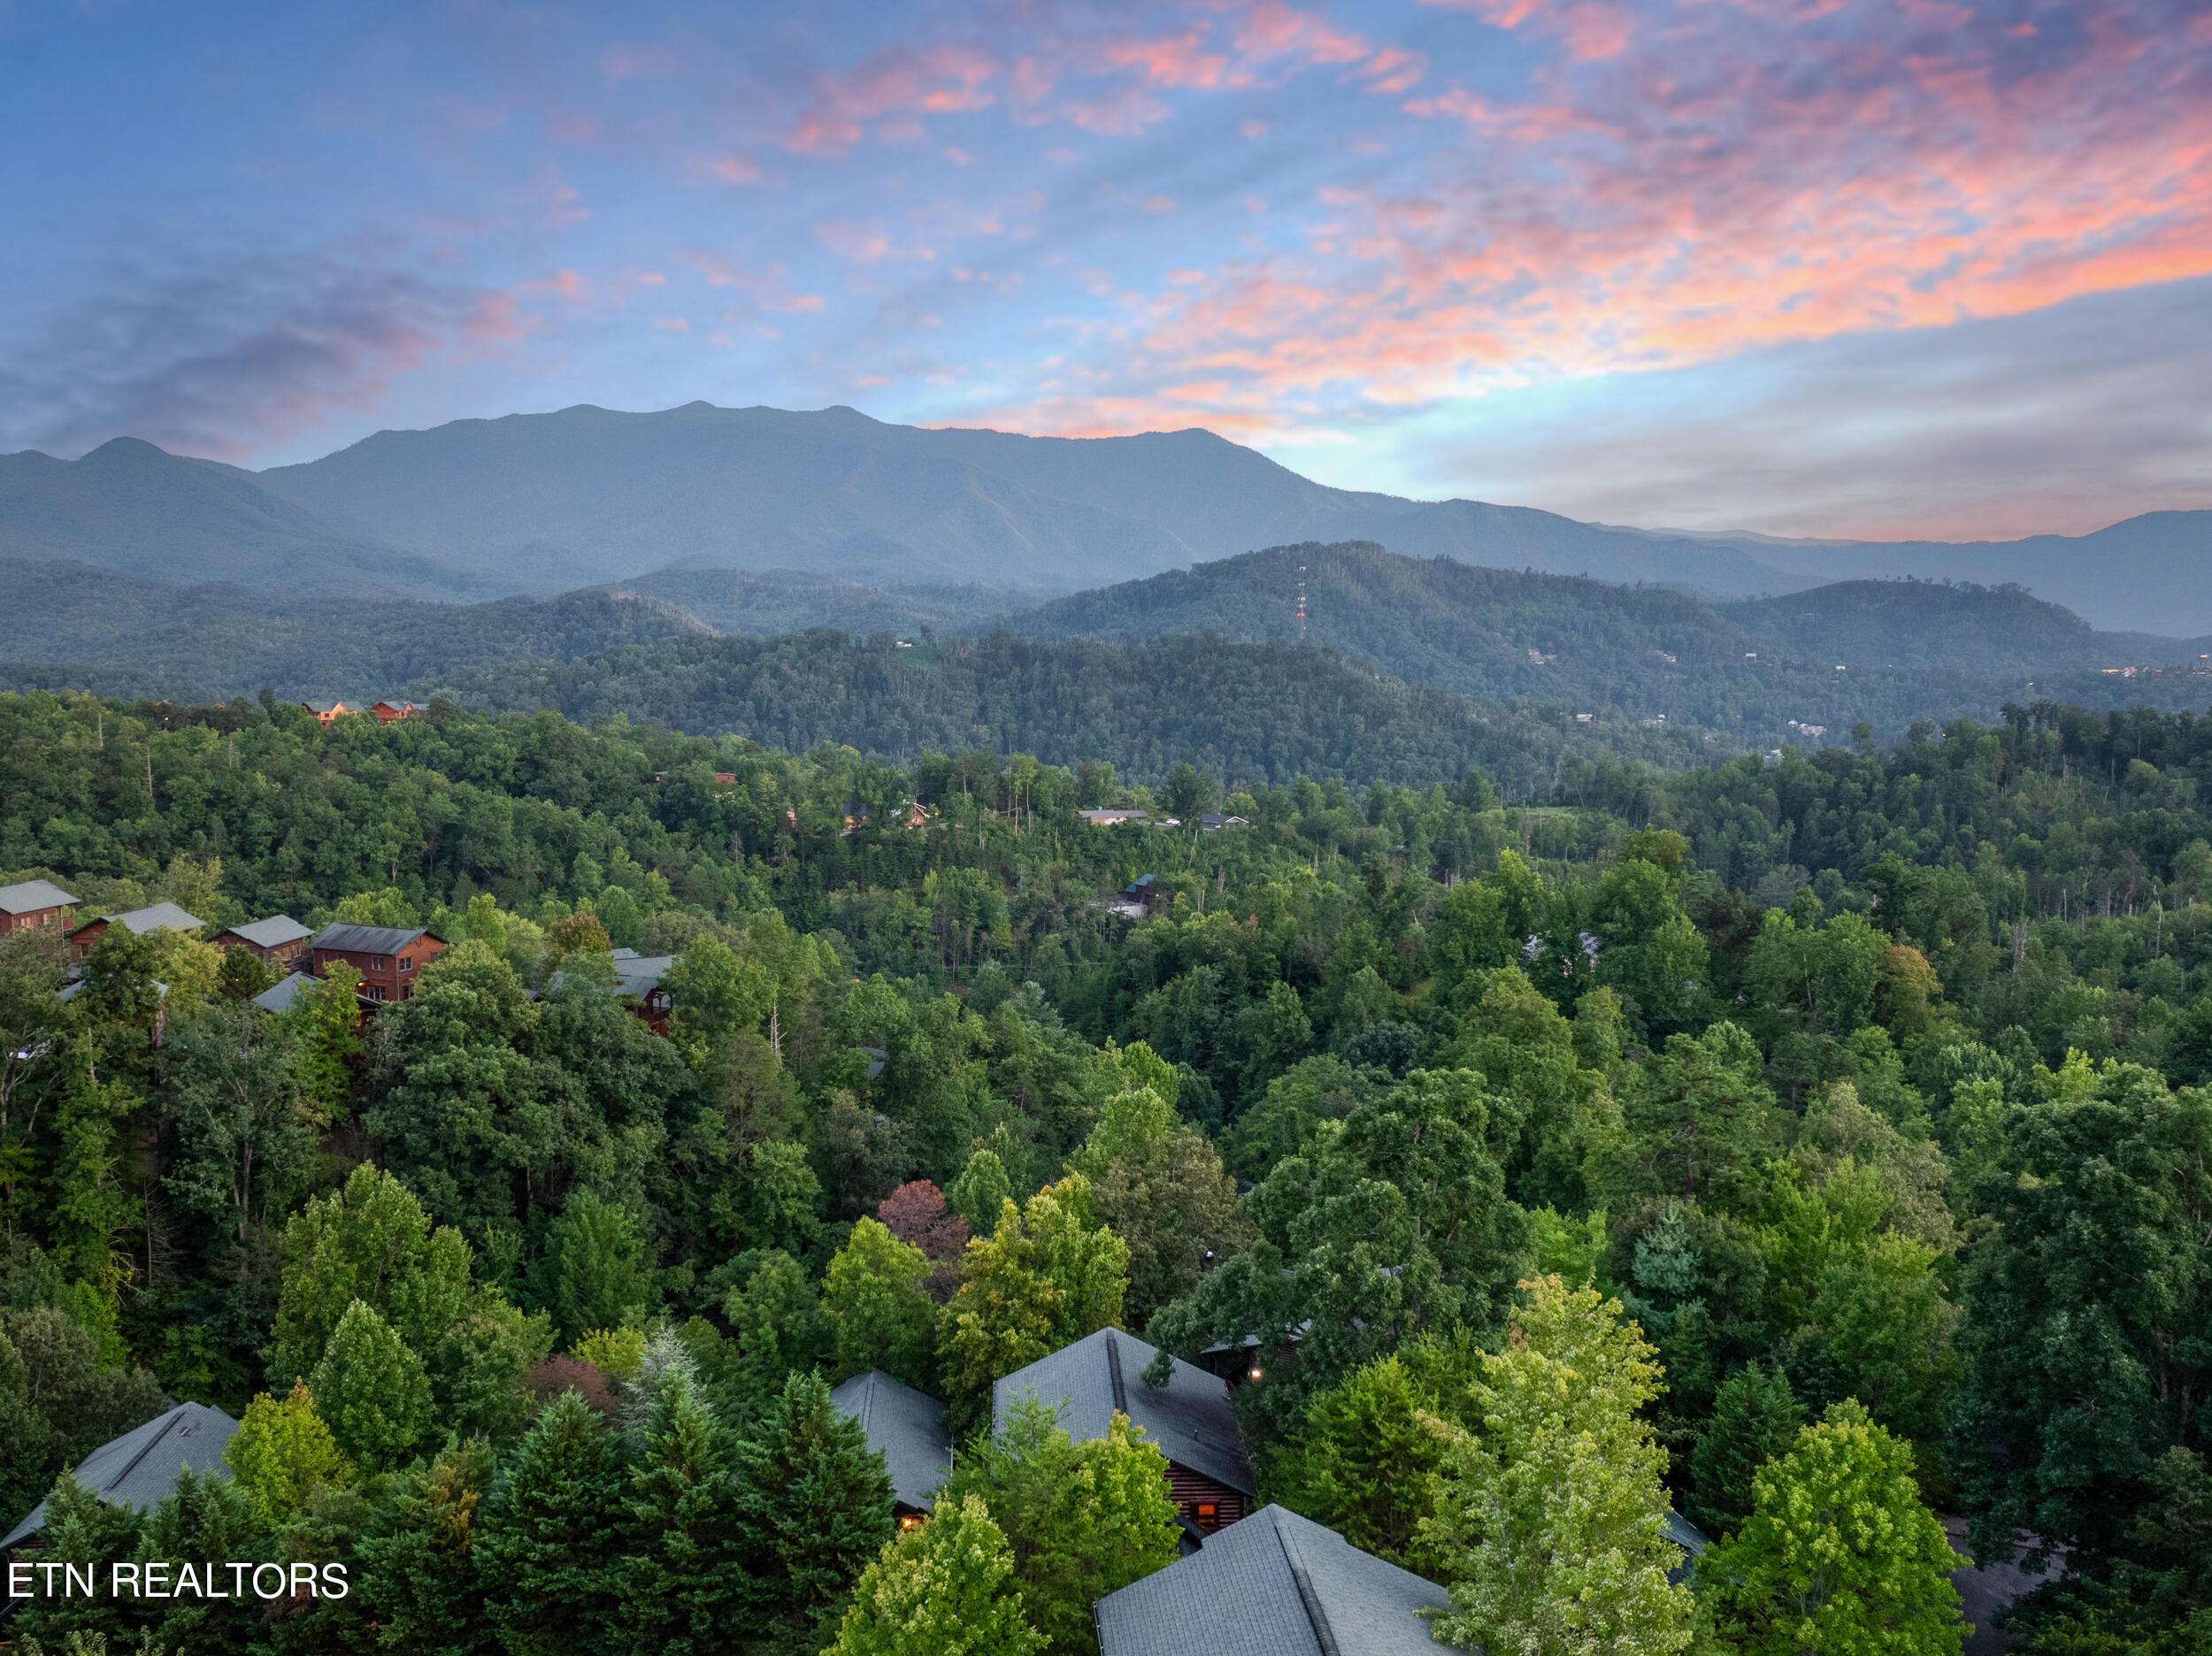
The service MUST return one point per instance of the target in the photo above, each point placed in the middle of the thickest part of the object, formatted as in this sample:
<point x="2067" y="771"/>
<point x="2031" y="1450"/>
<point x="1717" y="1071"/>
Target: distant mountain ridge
<point x="541" y="503"/>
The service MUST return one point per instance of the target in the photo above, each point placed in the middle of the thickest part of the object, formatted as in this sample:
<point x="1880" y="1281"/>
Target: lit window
<point x="1209" y="1516"/>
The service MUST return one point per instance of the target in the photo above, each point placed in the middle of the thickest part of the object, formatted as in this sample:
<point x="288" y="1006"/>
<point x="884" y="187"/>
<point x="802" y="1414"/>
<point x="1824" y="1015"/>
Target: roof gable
<point x="906" y="1427"/>
<point x="141" y="1467"/>
<point x="1189" y="1418"/>
<point x="1275" y="1584"/>
<point x="274" y="933"/>
<point x="368" y="939"/>
<point x="28" y="895"/>
<point x="141" y="921"/>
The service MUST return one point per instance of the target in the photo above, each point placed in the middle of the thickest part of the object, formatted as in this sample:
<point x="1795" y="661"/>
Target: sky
<point x="1876" y="268"/>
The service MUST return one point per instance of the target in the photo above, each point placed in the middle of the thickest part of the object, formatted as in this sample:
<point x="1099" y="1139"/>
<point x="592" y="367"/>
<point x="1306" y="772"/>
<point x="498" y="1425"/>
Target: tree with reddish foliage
<point x="549" y="1378"/>
<point x="917" y="1214"/>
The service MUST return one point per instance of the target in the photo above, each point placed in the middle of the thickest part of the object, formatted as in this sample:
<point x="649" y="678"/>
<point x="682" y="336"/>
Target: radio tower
<point x="1301" y="603"/>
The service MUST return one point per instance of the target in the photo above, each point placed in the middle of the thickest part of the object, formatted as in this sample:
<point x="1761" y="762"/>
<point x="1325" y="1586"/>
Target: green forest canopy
<point x="1869" y="1084"/>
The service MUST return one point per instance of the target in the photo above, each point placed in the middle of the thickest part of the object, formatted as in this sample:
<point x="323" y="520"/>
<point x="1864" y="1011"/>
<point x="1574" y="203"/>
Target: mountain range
<point x="541" y="503"/>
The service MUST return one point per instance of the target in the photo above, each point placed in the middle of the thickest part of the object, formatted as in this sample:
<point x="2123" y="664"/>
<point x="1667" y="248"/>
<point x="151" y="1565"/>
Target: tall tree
<point x="1084" y="1519"/>
<point x="811" y="1506"/>
<point x="875" y="1308"/>
<point x="1549" y="1527"/>
<point x="1838" y="1554"/>
<point x="945" y="1588"/>
<point x="374" y="1391"/>
<point x="550" y="1536"/>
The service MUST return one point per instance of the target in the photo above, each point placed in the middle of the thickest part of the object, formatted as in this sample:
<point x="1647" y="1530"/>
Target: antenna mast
<point x="1301" y="603"/>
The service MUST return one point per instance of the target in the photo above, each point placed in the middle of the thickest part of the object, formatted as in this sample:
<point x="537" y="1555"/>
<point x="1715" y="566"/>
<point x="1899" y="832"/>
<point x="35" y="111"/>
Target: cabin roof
<point x="906" y="1427"/>
<point x="140" y="1468"/>
<point x="1275" y="1584"/>
<point x="28" y="895"/>
<point x="368" y="939"/>
<point x="274" y="932"/>
<point x="1189" y="1418"/>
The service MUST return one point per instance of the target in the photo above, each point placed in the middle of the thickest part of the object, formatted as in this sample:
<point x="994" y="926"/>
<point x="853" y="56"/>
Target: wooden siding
<point x="1190" y="1491"/>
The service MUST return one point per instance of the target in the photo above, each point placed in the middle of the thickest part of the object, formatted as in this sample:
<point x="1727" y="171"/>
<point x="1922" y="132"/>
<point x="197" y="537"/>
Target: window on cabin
<point x="376" y="963"/>
<point x="375" y="992"/>
<point x="1209" y="1516"/>
<point x="407" y="962"/>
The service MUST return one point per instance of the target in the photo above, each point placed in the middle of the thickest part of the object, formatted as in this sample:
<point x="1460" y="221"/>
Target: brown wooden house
<point x="35" y="903"/>
<point x="326" y="711"/>
<point x="280" y="941"/>
<point x="1188" y="1419"/>
<point x="87" y="936"/>
<point x="393" y="712"/>
<point x="388" y="958"/>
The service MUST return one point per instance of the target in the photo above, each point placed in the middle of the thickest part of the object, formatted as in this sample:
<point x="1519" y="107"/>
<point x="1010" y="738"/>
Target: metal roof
<point x="1189" y="1418"/>
<point x="31" y="894"/>
<point x="368" y="939"/>
<point x="280" y="998"/>
<point x="140" y="1468"/>
<point x="274" y="932"/>
<point x="1275" y="1584"/>
<point x="906" y="1427"/>
<point x="144" y="920"/>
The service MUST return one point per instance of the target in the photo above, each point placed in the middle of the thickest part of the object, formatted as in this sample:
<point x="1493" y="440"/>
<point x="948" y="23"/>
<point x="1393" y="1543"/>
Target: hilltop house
<point x="279" y="941"/>
<point x="392" y="712"/>
<point x="386" y="957"/>
<point x="906" y="1427"/>
<point x="140" y="1468"/>
<point x="32" y="903"/>
<point x="326" y="711"/>
<point x="1214" y="821"/>
<point x="1189" y="1419"/>
<point x="138" y="922"/>
<point x="1276" y="1586"/>
<point x="1112" y="818"/>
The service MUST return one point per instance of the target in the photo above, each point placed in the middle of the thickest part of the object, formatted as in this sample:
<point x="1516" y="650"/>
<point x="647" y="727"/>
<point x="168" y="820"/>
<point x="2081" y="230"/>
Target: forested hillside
<point x="1256" y="711"/>
<point x="1840" y="1124"/>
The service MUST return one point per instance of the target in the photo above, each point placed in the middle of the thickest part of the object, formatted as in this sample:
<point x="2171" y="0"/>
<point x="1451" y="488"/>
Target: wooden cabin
<point x="387" y="958"/>
<point x="35" y="903"/>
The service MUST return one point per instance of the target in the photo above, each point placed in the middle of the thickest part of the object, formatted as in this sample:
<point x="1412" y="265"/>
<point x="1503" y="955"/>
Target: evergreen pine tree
<point x="681" y="1588"/>
<point x="551" y="1536"/>
<point x="813" y="1505"/>
<point x="419" y="1582"/>
<point x="1754" y="1421"/>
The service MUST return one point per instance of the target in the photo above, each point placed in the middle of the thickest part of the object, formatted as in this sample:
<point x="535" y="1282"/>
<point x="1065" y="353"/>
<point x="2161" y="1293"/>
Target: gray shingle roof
<point x="280" y="998"/>
<point x="907" y="1427"/>
<point x="368" y="939"/>
<point x="140" y="1468"/>
<point x="144" y="920"/>
<point x="1189" y="1417"/>
<point x="1275" y="1584"/>
<point x="33" y="894"/>
<point x="274" y="932"/>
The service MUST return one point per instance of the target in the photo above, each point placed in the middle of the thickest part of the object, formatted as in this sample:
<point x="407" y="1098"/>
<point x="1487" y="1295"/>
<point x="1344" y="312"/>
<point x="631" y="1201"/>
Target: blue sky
<point x="1807" y="266"/>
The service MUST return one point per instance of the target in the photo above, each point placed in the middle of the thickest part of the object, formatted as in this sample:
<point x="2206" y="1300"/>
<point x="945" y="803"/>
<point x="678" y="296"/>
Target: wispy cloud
<point x="233" y="357"/>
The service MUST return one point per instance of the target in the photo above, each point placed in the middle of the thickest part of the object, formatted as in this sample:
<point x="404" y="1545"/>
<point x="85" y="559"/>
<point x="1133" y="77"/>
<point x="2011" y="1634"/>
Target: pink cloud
<point x="1687" y="180"/>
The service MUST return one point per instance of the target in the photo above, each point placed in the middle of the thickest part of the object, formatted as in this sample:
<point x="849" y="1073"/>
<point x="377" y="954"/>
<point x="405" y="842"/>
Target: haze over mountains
<point x="544" y="502"/>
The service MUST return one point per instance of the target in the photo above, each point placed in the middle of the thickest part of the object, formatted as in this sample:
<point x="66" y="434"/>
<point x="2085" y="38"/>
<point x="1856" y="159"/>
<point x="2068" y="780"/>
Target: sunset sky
<point x="1868" y="267"/>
